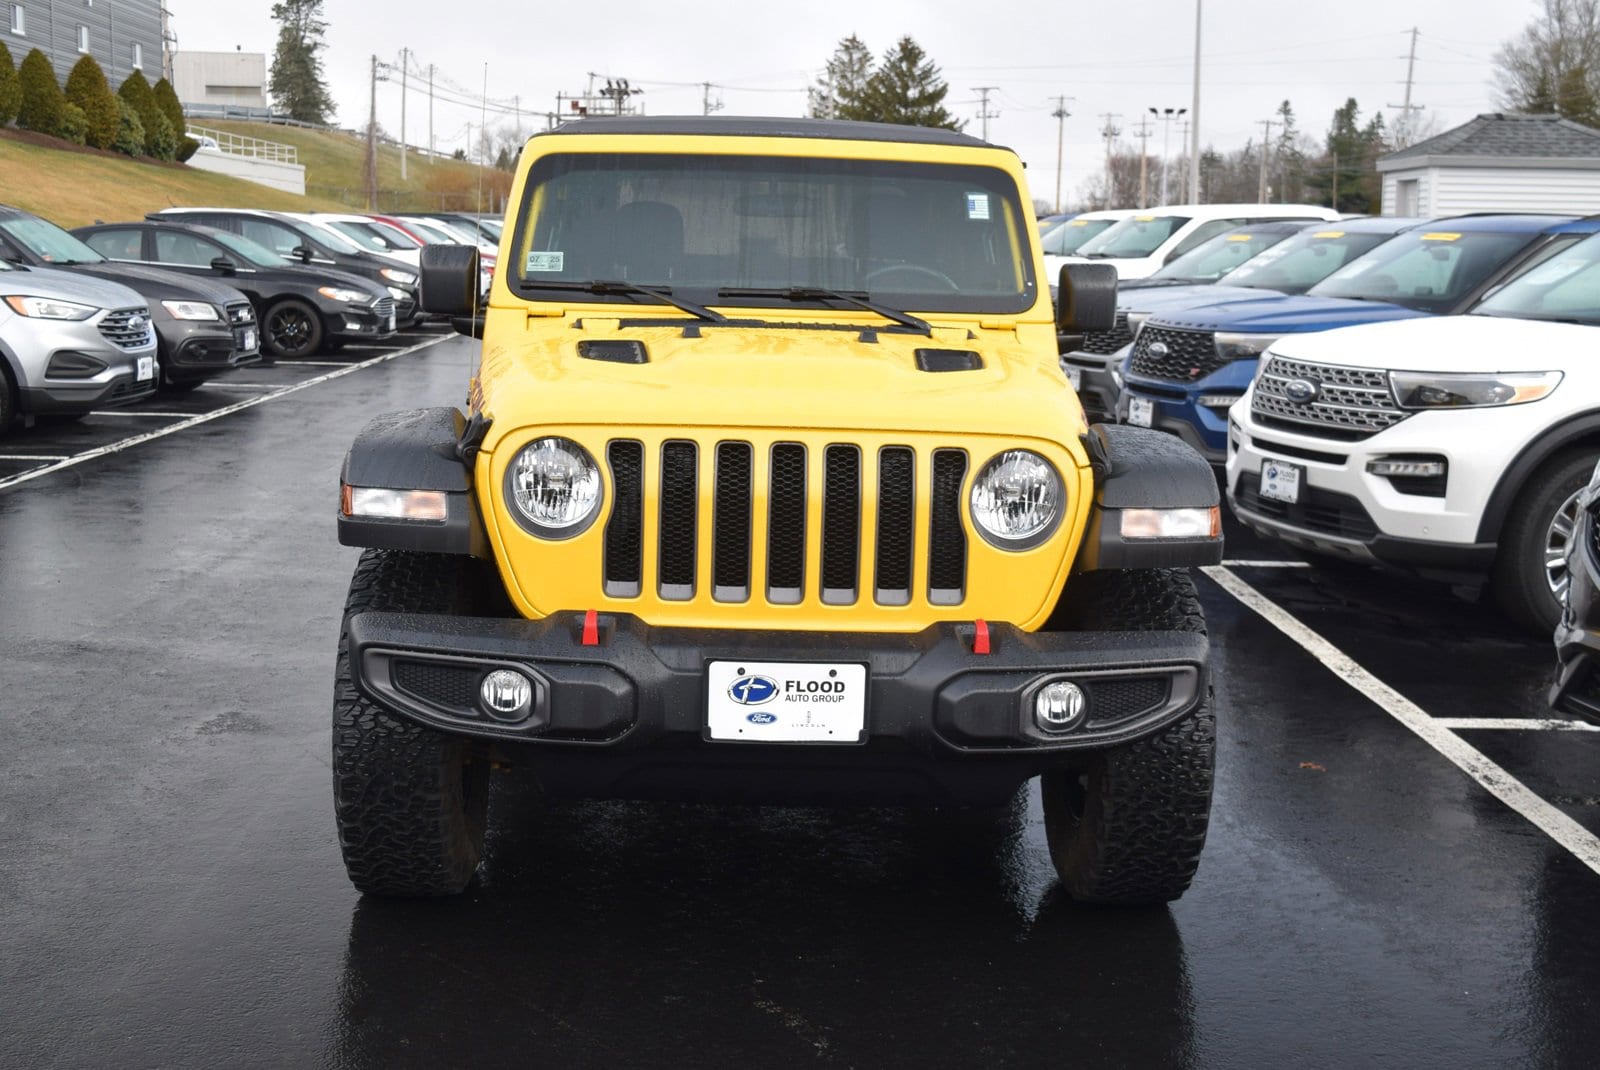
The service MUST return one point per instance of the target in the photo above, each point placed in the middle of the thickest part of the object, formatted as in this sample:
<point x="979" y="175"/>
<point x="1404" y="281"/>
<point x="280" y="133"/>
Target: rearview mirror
<point x="1086" y="299"/>
<point x="224" y="265"/>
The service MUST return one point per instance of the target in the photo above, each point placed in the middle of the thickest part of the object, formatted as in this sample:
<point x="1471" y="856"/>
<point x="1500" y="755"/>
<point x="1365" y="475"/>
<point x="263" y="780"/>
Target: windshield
<point x="253" y="253"/>
<point x="1429" y="271"/>
<point x="1302" y="260"/>
<point x="1135" y="236"/>
<point x="332" y="238"/>
<point x="913" y="235"/>
<point x="49" y="242"/>
<point x="1565" y="287"/>
<point x="374" y="236"/>
<point x="1064" y="239"/>
<point x="1211" y="260"/>
<point x="432" y="235"/>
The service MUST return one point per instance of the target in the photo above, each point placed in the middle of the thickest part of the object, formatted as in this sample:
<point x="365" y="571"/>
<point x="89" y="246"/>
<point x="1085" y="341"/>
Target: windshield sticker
<point x="1328" y="234"/>
<point x="1078" y="223"/>
<point x="1441" y="236"/>
<point x="1240" y="237"/>
<point x="1144" y="219"/>
<point x="977" y="206"/>
<point x="545" y="261"/>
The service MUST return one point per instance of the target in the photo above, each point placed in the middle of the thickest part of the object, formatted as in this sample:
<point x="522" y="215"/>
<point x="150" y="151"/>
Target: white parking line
<point x="1514" y="724"/>
<point x="31" y="457"/>
<point x="1583" y="844"/>
<point x="238" y="406"/>
<point x="1267" y="564"/>
<point x="141" y="413"/>
<point x="252" y="386"/>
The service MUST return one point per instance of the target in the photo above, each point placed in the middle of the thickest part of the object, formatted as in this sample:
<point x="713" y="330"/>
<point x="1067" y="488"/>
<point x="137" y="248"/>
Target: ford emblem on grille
<point x="1301" y="391"/>
<point x="138" y="323"/>
<point x="1159" y="350"/>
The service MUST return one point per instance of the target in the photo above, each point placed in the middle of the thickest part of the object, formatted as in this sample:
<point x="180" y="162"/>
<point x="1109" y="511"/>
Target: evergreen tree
<point x="906" y="89"/>
<point x="167" y="100"/>
<point x="159" y="139"/>
<point x="1349" y="166"/>
<point x="87" y="88"/>
<point x="130" y="131"/>
<point x="10" y="88"/>
<point x="74" y="126"/>
<point x="41" y="101"/>
<point x="843" y="85"/>
<point x="296" y="84"/>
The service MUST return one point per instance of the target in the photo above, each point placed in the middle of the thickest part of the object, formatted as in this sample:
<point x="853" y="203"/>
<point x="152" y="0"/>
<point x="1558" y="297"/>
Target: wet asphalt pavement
<point x="171" y="893"/>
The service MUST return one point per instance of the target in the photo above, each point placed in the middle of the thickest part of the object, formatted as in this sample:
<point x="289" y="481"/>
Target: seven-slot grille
<point x="118" y="328"/>
<point x="1350" y="403"/>
<point x="1177" y="356"/>
<point x="828" y="502"/>
<point x="1108" y="342"/>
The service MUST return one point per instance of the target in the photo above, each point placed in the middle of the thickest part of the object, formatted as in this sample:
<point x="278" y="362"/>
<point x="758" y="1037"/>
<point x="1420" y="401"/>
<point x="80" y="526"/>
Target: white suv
<point x="1453" y="448"/>
<point x="1141" y="244"/>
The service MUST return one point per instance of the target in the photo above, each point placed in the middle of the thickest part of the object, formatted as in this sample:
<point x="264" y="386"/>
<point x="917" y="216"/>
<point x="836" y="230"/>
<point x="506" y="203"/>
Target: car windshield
<point x="1209" y="261"/>
<point x="433" y="235"/>
<point x="252" y="253"/>
<point x="1064" y="239"/>
<point x="1425" y="270"/>
<point x="912" y="235"/>
<point x="1564" y="287"/>
<point x="332" y="238"/>
<point x="1302" y="260"/>
<point x="372" y="236"/>
<point x="49" y="242"/>
<point x="1135" y="236"/>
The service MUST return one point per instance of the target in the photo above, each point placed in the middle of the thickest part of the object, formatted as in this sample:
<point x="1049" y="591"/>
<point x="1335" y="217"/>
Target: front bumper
<point x="362" y="321"/>
<point x="629" y="712"/>
<point x="203" y="351"/>
<point x="1091" y="376"/>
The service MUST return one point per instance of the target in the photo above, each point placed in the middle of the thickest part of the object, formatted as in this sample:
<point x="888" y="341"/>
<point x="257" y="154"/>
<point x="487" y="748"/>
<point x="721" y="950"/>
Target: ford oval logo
<point x="1159" y="349"/>
<point x="752" y="691"/>
<point x="1301" y="391"/>
<point x="761" y="717"/>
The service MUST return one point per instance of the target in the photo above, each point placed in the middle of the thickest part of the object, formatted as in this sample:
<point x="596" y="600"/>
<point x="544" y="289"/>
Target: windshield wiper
<point x="817" y="293"/>
<point x="614" y="286"/>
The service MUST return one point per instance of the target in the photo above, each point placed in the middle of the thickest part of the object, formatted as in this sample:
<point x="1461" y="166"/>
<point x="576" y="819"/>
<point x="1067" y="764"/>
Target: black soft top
<point x="747" y="126"/>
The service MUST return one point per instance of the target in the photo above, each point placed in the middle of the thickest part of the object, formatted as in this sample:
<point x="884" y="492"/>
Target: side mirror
<point x="1086" y="299"/>
<point x="301" y="253"/>
<point x="225" y="266"/>
<point x="449" y="280"/>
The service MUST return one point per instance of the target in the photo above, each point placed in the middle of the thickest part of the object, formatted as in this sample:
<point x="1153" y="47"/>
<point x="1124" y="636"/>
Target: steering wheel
<point x="917" y="269"/>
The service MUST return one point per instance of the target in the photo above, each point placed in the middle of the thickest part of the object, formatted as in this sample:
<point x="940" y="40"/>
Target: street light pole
<point x="1194" y="116"/>
<point x="1166" y="115"/>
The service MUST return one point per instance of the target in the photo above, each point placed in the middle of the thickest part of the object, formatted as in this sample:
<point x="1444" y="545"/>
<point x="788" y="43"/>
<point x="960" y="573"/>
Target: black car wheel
<point x="8" y="403"/>
<point x="291" y="329"/>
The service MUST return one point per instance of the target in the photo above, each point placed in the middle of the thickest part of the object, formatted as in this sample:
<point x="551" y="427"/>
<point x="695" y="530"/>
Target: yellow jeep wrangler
<point x="769" y="487"/>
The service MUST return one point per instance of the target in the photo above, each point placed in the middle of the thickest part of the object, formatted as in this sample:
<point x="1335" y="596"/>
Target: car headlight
<point x="1467" y="390"/>
<point x="190" y="310"/>
<point x="1243" y="346"/>
<point x="399" y="294"/>
<point x="554" y="488"/>
<point x="45" y="308"/>
<point x="351" y="297"/>
<point x="1017" y="500"/>
<point x="404" y="278"/>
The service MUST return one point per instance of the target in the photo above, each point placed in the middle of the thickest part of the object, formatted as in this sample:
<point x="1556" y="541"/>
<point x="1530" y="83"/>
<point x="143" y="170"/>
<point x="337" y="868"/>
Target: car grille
<point x="118" y="328"/>
<point x="383" y="309"/>
<point x="1108" y="342"/>
<point x="241" y="314"/>
<point x="1324" y="511"/>
<point x="1174" y="355"/>
<point x="1351" y="403"/>
<point x="802" y="501"/>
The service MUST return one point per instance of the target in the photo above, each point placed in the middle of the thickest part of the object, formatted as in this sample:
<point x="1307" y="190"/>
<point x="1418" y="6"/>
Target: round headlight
<point x="1017" y="500"/>
<point x="554" y="487"/>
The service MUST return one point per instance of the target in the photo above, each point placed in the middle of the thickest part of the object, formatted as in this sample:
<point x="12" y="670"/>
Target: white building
<point x="211" y="83"/>
<point x="1496" y="163"/>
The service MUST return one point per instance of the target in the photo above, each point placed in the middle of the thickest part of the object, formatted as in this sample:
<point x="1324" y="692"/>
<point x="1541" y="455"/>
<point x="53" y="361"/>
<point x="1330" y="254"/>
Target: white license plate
<point x="147" y="368"/>
<point x="388" y="323"/>
<point x="1279" y="481"/>
<point x="785" y="702"/>
<point x="1074" y="376"/>
<point x="249" y="341"/>
<point x="1141" y="412"/>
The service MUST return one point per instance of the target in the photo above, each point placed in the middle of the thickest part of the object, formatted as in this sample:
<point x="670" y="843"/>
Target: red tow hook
<point x="591" y="629"/>
<point x="980" y="636"/>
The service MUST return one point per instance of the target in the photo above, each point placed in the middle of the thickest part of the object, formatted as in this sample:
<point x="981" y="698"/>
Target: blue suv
<point x="1186" y="369"/>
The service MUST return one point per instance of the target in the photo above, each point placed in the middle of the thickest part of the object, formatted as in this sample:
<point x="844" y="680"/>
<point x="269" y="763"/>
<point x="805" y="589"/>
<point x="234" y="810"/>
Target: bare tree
<point x="1554" y="66"/>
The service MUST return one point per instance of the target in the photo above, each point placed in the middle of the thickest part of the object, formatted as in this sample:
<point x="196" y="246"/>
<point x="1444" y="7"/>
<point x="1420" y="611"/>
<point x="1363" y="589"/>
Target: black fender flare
<point x="417" y="449"/>
<point x="1140" y="468"/>
<point x="1569" y="432"/>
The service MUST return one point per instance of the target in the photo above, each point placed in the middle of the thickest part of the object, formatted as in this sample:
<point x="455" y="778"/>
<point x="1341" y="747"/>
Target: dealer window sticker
<point x="977" y="206"/>
<point x="545" y="262"/>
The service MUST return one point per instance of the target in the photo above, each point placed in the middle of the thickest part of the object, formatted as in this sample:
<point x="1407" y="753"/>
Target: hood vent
<point x="948" y="360"/>
<point x="614" y="350"/>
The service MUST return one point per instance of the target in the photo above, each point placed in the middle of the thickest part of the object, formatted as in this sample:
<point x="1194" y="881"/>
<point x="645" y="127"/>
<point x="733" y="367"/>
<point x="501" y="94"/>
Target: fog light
<point x="1218" y="401"/>
<point x="1414" y="468"/>
<point x="506" y="695"/>
<point x="1059" y="706"/>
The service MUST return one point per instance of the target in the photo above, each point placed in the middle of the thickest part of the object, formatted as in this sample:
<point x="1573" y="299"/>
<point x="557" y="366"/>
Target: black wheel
<point x="8" y="401"/>
<point x="1530" y="569"/>
<point x="291" y="330"/>
<point x="411" y="802"/>
<point x="1127" y="825"/>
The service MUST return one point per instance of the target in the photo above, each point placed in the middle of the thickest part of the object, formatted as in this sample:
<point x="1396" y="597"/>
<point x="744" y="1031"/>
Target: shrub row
<point x="138" y="119"/>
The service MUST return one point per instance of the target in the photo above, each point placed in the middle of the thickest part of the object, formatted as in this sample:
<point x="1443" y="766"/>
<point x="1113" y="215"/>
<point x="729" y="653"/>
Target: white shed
<point x="1496" y="163"/>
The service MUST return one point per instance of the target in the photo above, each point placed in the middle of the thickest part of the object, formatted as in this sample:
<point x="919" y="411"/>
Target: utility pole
<point x="1403" y="126"/>
<point x="1266" y="145"/>
<point x="430" y="111"/>
<point x="1110" y="131"/>
<point x="1194" y="116"/>
<point x="1143" y="134"/>
<point x="405" y="66"/>
<point x="372" y="143"/>
<point x="706" y="103"/>
<point x="1060" y="115"/>
<point x="984" y="114"/>
<point x="1335" y="204"/>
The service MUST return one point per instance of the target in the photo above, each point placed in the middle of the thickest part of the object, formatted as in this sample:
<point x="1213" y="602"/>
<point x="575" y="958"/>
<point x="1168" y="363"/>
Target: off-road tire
<point x="1521" y="581"/>
<point x="1126" y="826"/>
<point x="411" y="802"/>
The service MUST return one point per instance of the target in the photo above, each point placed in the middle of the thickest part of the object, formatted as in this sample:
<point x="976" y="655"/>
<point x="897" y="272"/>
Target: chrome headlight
<point x="191" y="310"/>
<point x="46" y="308"/>
<point x="1243" y="346"/>
<point x="404" y="278"/>
<point x="1017" y="500"/>
<point x="554" y="488"/>
<point x="1443" y="390"/>
<point x="349" y="297"/>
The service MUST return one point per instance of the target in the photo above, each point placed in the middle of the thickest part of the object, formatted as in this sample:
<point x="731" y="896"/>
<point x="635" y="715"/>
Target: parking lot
<point x="1403" y="866"/>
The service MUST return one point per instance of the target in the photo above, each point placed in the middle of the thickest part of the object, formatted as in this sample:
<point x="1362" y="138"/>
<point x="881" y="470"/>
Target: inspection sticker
<point x="546" y="262"/>
<point x="977" y="206"/>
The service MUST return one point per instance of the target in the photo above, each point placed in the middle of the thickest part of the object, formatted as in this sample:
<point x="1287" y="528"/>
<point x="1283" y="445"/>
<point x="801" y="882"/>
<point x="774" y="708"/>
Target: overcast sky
<point x="1124" y="57"/>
